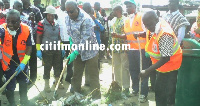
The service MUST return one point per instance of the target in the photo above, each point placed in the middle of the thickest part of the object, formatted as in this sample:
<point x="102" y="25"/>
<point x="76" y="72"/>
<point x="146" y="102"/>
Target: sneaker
<point x="142" y="99"/>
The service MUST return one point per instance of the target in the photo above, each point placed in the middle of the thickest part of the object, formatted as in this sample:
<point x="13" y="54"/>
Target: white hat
<point x="50" y="10"/>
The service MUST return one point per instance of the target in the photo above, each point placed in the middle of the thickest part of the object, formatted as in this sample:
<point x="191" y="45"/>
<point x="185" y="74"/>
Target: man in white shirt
<point x="64" y="37"/>
<point x="176" y="20"/>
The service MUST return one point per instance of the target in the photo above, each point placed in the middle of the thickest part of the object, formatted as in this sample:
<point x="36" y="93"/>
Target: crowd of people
<point x="154" y="40"/>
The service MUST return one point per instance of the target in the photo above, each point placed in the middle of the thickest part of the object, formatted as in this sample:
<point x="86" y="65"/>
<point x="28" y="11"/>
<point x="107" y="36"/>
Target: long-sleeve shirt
<point x="178" y="23"/>
<point x="98" y="31"/>
<point x="81" y="31"/>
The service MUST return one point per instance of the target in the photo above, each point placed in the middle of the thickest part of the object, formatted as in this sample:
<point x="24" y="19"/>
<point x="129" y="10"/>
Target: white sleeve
<point x="31" y="33"/>
<point x="181" y="34"/>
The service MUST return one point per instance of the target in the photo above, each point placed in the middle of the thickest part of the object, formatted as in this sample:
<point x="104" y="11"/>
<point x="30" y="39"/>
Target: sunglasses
<point x="71" y="12"/>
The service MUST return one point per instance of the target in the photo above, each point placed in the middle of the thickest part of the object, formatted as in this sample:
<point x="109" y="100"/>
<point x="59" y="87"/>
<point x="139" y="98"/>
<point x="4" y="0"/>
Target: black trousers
<point x="1" y="76"/>
<point x="69" y="66"/>
<point x="33" y="64"/>
<point x="153" y="79"/>
<point x="165" y="89"/>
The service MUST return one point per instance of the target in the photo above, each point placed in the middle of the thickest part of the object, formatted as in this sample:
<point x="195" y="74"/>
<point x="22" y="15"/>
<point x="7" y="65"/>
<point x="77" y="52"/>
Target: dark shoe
<point x="68" y="80"/>
<point x="10" y="97"/>
<point x="72" y="89"/>
<point x="88" y="85"/>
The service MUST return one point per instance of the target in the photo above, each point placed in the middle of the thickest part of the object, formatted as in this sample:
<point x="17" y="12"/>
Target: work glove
<point x="72" y="56"/>
<point x="70" y="42"/>
<point x="147" y="55"/>
<point x="63" y="53"/>
<point x="39" y="54"/>
<point x="20" y="68"/>
<point x="22" y="65"/>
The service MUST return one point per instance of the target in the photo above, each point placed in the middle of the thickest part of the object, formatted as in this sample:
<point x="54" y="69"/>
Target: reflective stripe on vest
<point x="133" y="41"/>
<point x="135" y="29"/>
<point x="21" y="51"/>
<point x="7" y="46"/>
<point x="152" y="48"/>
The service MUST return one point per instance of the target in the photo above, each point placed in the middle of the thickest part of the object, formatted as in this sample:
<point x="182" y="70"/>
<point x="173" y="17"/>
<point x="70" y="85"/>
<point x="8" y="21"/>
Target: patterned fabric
<point x="82" y="30"/>
<point x="165" y="42"/>
<point x="166" y="45"/>
<point x="24" y="18"/>
<point x="36" y="11"/>
<point x="176" y="20"/>
<point x="118" y="28"/>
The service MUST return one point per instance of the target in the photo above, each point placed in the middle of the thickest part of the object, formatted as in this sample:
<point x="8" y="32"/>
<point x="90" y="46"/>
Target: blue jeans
<point x="134" y="68"/>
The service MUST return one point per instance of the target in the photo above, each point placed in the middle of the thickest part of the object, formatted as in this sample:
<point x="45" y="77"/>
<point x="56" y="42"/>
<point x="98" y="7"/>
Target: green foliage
<point x="113" y="3"/>
<point x="113" y="96"/>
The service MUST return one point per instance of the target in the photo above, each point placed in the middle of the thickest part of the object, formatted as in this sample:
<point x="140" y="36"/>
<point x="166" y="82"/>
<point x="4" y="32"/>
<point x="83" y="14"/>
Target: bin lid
<point x="189" y="43"/>
<point x="191" y="52"/>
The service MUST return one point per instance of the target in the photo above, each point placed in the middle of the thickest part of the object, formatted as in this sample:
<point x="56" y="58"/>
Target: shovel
<point x="55" y="95"/>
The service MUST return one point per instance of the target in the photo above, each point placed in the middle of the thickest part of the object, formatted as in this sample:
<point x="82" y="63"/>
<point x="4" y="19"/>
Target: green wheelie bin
<point x="188" y="82"/>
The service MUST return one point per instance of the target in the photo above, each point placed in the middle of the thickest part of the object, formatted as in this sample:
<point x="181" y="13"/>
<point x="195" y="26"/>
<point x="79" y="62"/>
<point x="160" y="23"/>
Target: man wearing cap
<point x="133" y="25"/>
<point x="48" y="33"/>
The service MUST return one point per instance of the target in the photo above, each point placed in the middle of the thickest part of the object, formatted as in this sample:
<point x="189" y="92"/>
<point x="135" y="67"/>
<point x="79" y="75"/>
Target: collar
<point x="19" y="30"/>
<point x="132" y="15"/>
<point x="80" y="14"/>
<point x="173" y="13"/>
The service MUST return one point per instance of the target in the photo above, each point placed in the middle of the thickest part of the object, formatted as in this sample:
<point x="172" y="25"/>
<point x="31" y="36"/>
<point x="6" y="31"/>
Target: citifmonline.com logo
<point x="86" y="46"/>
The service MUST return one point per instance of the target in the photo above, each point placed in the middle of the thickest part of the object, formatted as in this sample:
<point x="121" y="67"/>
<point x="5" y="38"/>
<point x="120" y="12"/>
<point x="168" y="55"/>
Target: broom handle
<point x="62" y="73"/>
<point x="140" y="66"/>
<point x="3" y="87"/>
<point x="112" y="61"/>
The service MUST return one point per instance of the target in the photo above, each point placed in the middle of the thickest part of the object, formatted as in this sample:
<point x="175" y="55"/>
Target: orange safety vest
<point x="152" y="48"/>
<point x="136" y="27"/>
<point x="7" y="46"/>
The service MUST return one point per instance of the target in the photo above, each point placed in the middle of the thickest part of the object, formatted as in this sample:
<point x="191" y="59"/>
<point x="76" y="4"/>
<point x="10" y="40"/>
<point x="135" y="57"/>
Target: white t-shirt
<point x="61" y="21"/>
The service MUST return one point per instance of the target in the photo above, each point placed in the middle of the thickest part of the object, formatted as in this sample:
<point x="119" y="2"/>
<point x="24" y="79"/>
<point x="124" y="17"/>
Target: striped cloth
<point x="176" y="20"/>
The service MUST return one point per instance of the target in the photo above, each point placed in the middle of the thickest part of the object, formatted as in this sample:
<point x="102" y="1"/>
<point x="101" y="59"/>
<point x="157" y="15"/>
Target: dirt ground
<point x="105" y="81"/>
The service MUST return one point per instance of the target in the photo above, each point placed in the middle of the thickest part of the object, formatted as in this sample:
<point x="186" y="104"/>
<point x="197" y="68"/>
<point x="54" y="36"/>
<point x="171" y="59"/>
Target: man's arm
<point x="39" y="33"/>
<point x="29" y="45"/>
<point x="181" y="34"/>
<point x="166" y="50"/>
<point x="28" y="50"/>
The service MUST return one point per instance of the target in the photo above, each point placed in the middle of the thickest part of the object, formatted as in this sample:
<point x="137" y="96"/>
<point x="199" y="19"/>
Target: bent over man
<point x="166" y="56"/>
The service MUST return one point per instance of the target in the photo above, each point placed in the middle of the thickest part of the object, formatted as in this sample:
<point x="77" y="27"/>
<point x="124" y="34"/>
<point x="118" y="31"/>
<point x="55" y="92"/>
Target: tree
<point x="113" y="3"/>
